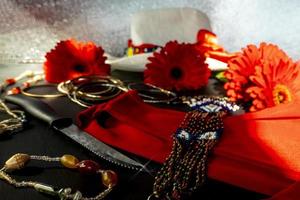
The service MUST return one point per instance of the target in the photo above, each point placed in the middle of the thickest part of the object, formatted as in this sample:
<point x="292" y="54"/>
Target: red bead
<point x="87" y="166"/>
<point x="26" y="84"/>
<point x="10" y="81"/>
<point x="15" y="90"/>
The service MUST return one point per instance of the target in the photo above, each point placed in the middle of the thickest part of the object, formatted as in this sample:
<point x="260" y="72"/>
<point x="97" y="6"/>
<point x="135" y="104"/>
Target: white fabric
<point x="158" y="27"/>
<point x="137" y="63"/>
<point x="162" y="25"/>
<point x="134" y="63"/>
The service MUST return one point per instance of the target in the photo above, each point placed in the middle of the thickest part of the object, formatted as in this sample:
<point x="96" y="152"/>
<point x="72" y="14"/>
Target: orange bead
<point x="109" y="178"/>
<point x="69" y="161"/>
<point x="15" y="90"/>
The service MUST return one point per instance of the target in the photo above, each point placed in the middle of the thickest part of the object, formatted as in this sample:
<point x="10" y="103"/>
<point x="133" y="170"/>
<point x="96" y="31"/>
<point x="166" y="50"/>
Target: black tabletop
<point x="39" y="139"/>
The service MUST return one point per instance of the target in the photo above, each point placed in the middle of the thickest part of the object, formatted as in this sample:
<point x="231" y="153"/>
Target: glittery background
<point x="29" y="28"/>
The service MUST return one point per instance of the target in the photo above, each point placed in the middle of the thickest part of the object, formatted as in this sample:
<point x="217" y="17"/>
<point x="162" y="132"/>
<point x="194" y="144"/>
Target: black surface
<point x="39" y="139"/>
<point x="39" y="109"/>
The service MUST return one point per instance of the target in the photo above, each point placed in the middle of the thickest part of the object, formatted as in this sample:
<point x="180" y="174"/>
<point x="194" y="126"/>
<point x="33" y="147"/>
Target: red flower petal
<point x="276" y="82"/>
<point x="177" y="67"/>
<point x="247" y="63"/>
<point x="70" y="59"/>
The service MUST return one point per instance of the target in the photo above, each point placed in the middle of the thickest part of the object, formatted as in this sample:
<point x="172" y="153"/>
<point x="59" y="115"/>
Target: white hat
<point x="159" y="27"/>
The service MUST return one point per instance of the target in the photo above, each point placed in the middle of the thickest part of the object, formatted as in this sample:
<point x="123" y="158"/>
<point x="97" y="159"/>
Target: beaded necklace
<point x="14" y="123"/>
<point x="184" y="171"/>
<point x="19" y="161"/>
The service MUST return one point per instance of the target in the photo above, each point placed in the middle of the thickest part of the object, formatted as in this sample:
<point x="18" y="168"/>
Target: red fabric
<point x="133" y="126"/>
<point x="264" y="147"/>
<point x="290" y="193"/>
<point x="258" y="151"/>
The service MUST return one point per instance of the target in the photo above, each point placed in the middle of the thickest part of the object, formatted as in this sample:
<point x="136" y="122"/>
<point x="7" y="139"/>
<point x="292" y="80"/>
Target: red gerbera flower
<point x="70" y="59"/>
<point x="177" y="67"/>
<point x="274" y="84"/>
<point x="243" y="65"/>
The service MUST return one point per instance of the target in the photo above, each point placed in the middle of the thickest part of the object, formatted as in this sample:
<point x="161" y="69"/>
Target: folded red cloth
<point x="258" y="151"/>
<point x="128" y="123"/>
<point x="261" y="149"/>
<point x="290" y="193"/>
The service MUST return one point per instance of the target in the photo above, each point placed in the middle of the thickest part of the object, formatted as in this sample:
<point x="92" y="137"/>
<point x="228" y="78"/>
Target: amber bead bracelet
<point x="19" y="161"/>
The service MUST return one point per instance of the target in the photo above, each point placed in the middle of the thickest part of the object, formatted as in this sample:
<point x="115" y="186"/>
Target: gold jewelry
<point x="78" y="89"/>
<point x="34" y="78"/>
<point x="100" y="95"/>
<point x="108" y="87"/>
<point x="24" y="91"/>
<point x="152" y="90"/>
<point x="19" y="161"/>
<point x="84" y="98"/>
<point x="13" y="124"/>
<point x="23" y="75"/>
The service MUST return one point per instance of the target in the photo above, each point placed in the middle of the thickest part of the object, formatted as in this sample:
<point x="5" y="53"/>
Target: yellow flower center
<point x="281" y="94"/>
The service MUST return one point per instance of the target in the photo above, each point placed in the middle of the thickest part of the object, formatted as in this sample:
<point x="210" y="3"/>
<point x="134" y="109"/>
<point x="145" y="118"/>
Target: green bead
<point x="43" y="188"/>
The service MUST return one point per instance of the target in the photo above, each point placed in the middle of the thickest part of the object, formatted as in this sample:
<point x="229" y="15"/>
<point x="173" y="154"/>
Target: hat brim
<point x="137" y="63"/>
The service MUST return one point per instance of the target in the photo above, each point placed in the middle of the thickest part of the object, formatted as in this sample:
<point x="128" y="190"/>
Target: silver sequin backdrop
<point x="29" y="28"/>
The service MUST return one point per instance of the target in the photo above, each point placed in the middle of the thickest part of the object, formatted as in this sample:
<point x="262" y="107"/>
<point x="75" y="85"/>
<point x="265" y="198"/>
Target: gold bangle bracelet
<point x="82" y="98"/>
<point x="79" y="91"/>
<point x="71" y="85"/>
<point x="147" y="98"/>
<point x="25" y="92"/>
<point x="98" y="98"/>
<point x="94" y="95"/>
<point x="61" y="87"/>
